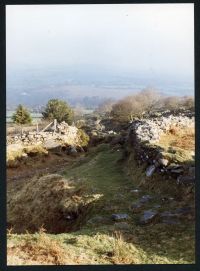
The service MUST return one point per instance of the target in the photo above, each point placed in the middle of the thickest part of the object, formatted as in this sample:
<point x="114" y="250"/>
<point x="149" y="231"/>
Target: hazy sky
<point x="152" y="38"/>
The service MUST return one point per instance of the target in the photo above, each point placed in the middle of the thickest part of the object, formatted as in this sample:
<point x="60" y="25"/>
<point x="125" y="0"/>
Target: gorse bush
<point x="84" y="138"/>
<point x="58" y="109"/>
<point x="21" y="116"/>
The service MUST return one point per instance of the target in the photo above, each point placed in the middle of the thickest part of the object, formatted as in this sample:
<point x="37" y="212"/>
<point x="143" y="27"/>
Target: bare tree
<point x="136" y="105"/>
<point x="150" y="99"/>
<point x="123" y="111"/>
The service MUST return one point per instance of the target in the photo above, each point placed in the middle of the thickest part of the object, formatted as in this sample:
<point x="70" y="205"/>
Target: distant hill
<point x="35" y="87"/>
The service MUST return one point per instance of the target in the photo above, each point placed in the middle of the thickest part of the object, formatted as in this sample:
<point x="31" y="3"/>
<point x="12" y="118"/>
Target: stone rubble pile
<point x="64" y="133"/>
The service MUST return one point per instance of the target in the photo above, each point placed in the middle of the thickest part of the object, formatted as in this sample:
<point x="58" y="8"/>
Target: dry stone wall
<point x="145" y="134"/>
<point x="150" y="130"/>
<point x="64" y="134"/>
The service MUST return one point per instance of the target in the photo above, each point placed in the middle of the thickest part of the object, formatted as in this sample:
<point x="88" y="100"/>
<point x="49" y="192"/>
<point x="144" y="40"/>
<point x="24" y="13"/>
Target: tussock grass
<point x="123" y="253"/>
<point x="14" y="154"/>
<point x="38" y="249"/>
<point x="160" y="244"/>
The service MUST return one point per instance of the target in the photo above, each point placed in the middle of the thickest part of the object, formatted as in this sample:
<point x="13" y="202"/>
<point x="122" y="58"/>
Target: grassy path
<point x="102" y="170"/>
<point x="100" y="240"/>
<point x="159" y="243"/>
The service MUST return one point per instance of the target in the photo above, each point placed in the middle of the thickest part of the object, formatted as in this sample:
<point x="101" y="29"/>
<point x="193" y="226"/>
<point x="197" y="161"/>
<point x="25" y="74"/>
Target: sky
<point x="130" y="38"/>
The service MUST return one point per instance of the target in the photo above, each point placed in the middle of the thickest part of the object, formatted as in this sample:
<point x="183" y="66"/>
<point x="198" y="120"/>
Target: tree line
<point x="124" y="110"/>
<point x="143" y="103"/>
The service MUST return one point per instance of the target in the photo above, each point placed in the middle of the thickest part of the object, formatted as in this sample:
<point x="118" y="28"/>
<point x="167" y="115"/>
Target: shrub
<point x="175" y="102"/>
<point x="84" y="138"/>
<point x="135" y="106"/>
<point x="58" y="109"/>
<point x="80" y="123"/>
<point x="21" y="116"/>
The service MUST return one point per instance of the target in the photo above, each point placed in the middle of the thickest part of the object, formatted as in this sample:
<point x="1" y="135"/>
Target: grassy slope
<point x="102" y="242"/>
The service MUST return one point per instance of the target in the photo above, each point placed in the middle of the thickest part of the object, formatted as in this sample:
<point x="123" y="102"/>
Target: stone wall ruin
<point x="144" y="136"/>
<point x="64" y="134"/>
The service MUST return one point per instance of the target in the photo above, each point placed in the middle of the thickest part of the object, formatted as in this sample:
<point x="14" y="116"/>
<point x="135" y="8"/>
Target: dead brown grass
<point x="14" y="154"/>
<point x="47" y="201"/>
<point x="122" y="254"/>
<point x="40" y="250"/>
<point x="177" y="137"/>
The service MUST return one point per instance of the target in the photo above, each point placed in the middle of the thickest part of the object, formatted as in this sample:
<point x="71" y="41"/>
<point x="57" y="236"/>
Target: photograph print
<point x="100" y="134"/>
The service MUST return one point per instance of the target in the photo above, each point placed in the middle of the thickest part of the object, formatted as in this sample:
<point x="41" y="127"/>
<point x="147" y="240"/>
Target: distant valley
<point x="34" y="88"/>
